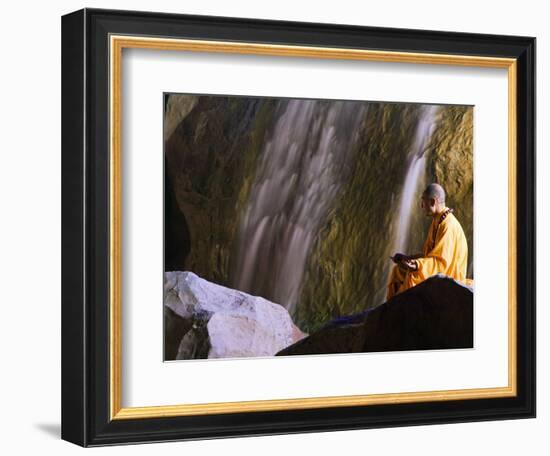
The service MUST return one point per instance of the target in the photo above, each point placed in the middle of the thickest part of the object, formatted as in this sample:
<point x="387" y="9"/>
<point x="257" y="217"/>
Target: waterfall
<point x="415" y="178"/>
<point x="302" y="167"/>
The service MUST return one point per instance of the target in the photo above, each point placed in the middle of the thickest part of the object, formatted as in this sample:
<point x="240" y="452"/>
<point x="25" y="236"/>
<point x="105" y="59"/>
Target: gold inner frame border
<point x="116" y="45"/>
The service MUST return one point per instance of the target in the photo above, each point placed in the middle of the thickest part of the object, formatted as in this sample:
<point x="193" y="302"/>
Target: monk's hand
<point x="410" y="265"/>
<point x="407" y="264"/>
<point x="399" y="258"/>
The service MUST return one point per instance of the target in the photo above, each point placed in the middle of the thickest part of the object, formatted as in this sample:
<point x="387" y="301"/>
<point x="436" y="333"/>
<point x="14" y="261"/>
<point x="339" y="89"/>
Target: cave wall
<point x="452" y="161"/>
<point x="211" y="148"/>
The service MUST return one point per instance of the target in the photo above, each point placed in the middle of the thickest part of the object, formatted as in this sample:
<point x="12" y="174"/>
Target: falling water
<point x="415" y="177"/>
<point x="301" y="171"/>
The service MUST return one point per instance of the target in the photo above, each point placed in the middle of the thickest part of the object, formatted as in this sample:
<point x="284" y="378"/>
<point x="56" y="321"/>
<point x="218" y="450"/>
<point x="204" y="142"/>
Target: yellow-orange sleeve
<point x="438" y="258"/>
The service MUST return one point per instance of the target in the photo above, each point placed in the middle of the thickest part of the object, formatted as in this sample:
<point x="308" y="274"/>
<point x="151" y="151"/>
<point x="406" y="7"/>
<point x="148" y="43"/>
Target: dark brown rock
<point x="175" y="327"/>
<point x="437" y="314"/>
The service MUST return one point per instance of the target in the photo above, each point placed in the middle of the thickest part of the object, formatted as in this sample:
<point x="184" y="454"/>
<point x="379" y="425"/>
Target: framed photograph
<point x="279" y="227"/>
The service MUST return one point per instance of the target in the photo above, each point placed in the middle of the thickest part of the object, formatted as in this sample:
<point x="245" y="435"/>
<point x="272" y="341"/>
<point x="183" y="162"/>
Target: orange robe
<point x="446" y="254"/>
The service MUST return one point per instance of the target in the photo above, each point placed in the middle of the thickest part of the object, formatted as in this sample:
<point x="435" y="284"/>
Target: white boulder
<point x="226" y="323"/>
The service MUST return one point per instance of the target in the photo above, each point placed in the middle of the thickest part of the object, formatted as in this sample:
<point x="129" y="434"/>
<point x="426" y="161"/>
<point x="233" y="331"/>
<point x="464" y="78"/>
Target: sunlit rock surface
<point x="437" y="314"/>
<point x="206" y="320"/>
<point x="178" y="108"/>
<point x="451" y="164"/>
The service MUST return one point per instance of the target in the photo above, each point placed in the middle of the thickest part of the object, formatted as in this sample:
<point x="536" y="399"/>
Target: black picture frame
<point x="86" y="416"/>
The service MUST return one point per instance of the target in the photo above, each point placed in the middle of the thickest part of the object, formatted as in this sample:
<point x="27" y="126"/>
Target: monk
<point x="445" y="248"/>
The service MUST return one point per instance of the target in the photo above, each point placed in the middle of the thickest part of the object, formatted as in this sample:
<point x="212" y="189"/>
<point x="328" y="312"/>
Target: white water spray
<point x="301" y="171"/>
<point x="415" y="177"/>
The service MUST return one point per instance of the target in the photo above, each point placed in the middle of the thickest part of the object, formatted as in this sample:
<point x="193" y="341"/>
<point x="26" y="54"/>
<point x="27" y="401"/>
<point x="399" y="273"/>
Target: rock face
<point x="178" y="108"/>
<point x="206" y="320"/>
<point x="452" y="150"/>
<point x="437" y="314"/>
<point x="210" y="160"/>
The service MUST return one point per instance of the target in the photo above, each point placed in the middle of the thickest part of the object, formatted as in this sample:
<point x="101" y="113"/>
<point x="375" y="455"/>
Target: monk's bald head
<point x="433" y="199"/>
<point x="436" y="192"/>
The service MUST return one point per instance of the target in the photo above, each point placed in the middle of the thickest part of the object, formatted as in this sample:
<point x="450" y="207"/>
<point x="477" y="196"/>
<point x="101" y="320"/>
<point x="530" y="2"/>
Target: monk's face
<point x="429" y="206"/>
